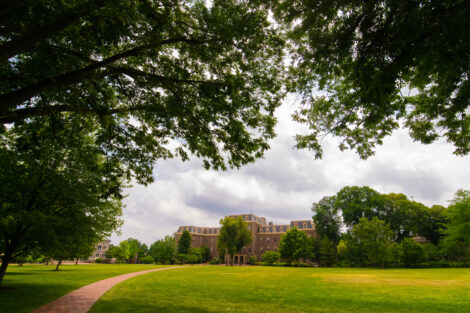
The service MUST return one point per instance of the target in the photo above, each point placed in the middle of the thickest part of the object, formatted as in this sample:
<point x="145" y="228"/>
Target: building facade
<point x="266" y="236"/>
<point x="100" y="250"/>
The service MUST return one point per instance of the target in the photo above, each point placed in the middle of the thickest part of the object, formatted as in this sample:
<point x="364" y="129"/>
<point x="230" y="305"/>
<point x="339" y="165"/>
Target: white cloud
<point x="283" y="185"/>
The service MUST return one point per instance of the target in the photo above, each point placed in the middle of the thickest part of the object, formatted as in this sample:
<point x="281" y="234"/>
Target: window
<point x="267" y="239"/>
<point x="97" y="255"/>
<point x="104" y="247"/>
<point x="249" y="249"/>
<point x="274" y="239"/>
<point x="99" y="247"/>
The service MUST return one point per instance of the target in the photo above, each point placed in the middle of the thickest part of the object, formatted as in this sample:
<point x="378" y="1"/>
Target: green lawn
<point x="277" y="289"/>
<point x="30" y="286"/>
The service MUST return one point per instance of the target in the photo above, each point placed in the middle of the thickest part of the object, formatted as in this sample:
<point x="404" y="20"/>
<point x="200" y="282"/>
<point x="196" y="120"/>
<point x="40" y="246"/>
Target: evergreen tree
<point x="184" y="243"/>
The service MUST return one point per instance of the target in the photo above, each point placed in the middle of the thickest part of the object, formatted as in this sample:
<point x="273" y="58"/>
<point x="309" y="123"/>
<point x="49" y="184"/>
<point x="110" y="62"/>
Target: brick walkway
<point x="81" y="300"/>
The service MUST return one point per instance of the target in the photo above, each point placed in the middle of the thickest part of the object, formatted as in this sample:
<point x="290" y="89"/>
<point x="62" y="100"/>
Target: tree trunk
<point x="76" y="262"/>
<point x="47" y="261"/>
<point x="58" y="264"/>
<point x="3" y="268"/>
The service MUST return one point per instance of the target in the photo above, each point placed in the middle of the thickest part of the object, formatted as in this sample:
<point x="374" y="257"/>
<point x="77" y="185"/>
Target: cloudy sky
<point x="284" y="184"/>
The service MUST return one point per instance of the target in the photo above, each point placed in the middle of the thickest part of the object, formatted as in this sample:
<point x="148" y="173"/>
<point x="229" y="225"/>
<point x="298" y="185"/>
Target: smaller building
<point x="100" y="250"/>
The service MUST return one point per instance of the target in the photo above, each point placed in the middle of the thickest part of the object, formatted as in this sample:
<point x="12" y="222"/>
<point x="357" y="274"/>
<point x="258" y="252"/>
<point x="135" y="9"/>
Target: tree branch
<point x="25" y="42"/>
<point x="14" y="98"/>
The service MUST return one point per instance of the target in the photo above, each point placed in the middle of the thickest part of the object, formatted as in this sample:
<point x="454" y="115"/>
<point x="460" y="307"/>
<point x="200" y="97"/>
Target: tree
<point x="412" y="253"/>
<point x="365" y="60"/>
<point x="406" y="218"/>
<point x="374" y="237"/>
<point x="432" y="223"/>
<point x="184" y="243"/>
<point x="270" y="257"/>
<point x="134" y="248"/>
<point x="356" y="202"/>
<point x="327" y="220"/>
<point x="327" y="252"/>
<point x="143" y="251"/>
<point x="164" y="250"/>
<point x="234" y="235"/>
<point x="196" y="255"/>
<point x="147" y="72"/>
<point x="53" y="173"/>
<point x="206" y="253"/>
<point x="295" y="245"/>
<point x="456" y="242"/>
<point x="123" y="253"/>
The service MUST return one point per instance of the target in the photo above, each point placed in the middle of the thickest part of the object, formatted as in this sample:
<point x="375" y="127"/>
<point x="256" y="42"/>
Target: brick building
<point x="266" y="236"/>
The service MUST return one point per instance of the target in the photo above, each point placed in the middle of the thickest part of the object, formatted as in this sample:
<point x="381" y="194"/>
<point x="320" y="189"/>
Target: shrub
<point x="192" y="259"/>
<point x="181" y="258"/>
<point x="270" y="257"/>
<point x="215" y="261"/>
<point x="147" y="260"/>
<point x="98" y="260"/>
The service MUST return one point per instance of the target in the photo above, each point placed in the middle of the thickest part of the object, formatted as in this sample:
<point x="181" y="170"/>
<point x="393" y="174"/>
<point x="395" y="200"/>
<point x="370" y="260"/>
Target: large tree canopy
<point x="57" y="188"/>
<point x="147" y="71"/>
<point x="381" y="64"/>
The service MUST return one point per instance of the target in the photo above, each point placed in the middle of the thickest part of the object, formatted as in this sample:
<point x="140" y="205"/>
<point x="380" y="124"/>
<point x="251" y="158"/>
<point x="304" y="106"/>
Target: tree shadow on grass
<point x="24" y="297"/>
<point x="20" y="273"/>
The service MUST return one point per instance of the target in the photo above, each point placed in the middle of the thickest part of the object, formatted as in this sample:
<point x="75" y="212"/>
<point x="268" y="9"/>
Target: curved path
<point x="81" y="300"/>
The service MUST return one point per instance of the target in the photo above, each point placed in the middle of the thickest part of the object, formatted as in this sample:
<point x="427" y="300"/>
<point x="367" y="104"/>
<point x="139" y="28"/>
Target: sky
<point x="283" y="185"/>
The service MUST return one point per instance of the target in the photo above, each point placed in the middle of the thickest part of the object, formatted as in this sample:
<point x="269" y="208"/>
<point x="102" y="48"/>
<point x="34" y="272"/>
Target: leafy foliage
<point x="295" y="245"/>
<point x="373" y="237"/>
<point x="326" y="252"/>
<point x="184" y="243"/>
<point x="270" y="257"/>
<point x="379" y="65"/>
<point x="356" y="202"/>
<point x="457" y="234"/>
<point x="234" y="234"/>
<point x="327" y="219"/>
<point x="164" y="250"/>
<point x="412" y="253"/>
<point x="147" y="72"/>
<point x="57" y="188"/>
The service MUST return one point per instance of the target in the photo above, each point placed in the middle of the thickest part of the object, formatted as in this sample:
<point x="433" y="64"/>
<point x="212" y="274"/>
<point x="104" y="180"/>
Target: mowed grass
<point x="276" y="289"/>
<point x="30" y="286"/>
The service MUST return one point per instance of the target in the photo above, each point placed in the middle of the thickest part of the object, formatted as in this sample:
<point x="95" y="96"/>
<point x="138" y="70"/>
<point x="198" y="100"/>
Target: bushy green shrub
<point x="98" y="260"/>
<point x="192" y="259"/>
<point x="181" y="258"/>
<point x="215" y="261"/>
<point x="270" y="257"/>
<point x="147" y="260"/>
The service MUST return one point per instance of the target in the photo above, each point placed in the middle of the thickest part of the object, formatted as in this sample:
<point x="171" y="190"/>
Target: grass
<point x="274" y="289"/>
<point x="30" y="286"/>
